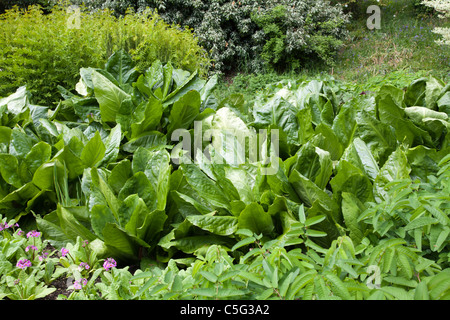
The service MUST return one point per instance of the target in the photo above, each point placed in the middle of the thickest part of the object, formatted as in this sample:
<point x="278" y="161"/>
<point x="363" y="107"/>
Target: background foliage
<point x="261" y="33"/>
<point x="42" y="51"/>
<point x="255" y="34"/>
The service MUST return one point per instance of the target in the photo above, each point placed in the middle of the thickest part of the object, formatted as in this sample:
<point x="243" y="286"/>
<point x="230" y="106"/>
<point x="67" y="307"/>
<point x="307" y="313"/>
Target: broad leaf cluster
<point x="305" y="191"/>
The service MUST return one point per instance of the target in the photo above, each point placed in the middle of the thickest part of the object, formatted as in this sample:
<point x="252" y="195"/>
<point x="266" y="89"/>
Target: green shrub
<point x="43" y="51"/>
<point x="250" y="35"/>
<point x="422" y="10"/>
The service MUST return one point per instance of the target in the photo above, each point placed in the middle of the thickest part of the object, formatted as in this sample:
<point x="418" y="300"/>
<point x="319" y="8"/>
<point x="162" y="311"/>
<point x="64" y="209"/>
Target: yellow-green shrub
<point x="42" y="51"/>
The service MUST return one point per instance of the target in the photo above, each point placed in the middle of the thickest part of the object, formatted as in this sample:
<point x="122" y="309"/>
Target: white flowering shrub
<point x="252" y="35"/>
<point x="443" y="7"/>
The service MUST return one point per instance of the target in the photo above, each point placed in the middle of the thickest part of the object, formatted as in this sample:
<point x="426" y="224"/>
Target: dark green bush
<point x="422" y="10"/>
<point x="9" y="4"/>
<point x="43" y="51"/>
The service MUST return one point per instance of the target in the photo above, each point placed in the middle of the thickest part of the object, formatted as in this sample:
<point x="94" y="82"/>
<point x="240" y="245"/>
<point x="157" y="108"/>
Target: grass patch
<point x="403" y="49"/>
<point x="405" y="43"/>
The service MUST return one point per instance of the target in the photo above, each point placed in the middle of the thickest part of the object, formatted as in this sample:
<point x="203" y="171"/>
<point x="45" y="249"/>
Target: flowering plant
<point x="442" y="6"/>
<point x="85" y="270"/>
<point x="25" y="263"/>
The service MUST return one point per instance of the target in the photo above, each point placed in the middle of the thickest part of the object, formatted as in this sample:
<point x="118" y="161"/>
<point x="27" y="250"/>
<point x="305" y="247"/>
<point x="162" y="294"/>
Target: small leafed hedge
<point x="43" y="51"/>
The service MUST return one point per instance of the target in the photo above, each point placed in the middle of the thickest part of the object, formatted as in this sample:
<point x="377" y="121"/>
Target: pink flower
<point x="64" y="252"/>
<point x="33" y="233"/>
<point x="44" y="256"/>
<point x="84" y="265"/>
<point x="20" y="232"/>
<point x="79" y="283"/>
<point x="22" y="264"/>
<point x="31" y="247"/>
<point x="109" y="263"/>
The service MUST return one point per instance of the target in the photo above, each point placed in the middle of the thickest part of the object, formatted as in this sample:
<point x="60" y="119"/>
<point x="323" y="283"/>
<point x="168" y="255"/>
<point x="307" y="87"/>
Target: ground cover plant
<point x="343" y="195"/>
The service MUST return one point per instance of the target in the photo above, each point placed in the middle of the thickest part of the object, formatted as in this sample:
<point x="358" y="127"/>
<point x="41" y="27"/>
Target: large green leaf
<point x="156" y="166"/>
<point x="151" y="227"/>
<point x="102" y="193"/>
<point x="9" y="169"/>
<point x="278" y="113"/>
<point x="432" y="92"/>
<point x="314" y="163"/>
<point x="167" y="82"/>
<point x="351" y="179"/>
<point x="192" y="82"/>
<point x="330" y="141"/>
<point x="254" y="218"/>
<point x="379" y="137"/>
<point x="94" y="151"/>
<point x="14" y="202"/>
<point x="73" y="163"/>
<point x="359" y="155"/>
<point x="397" y="95"/>
<point x="70" y="224"/>
<point x="112" y="145"/>
<point x="242" y="180"/>
<point x="351" y="209"/>
<point x="17" y="102"/>
<point x="390" y="113"/>
<point x="21" y="143"/>
<point x="190" y="244"/>
<point x="184" y="112"/>
<point x="147" y="117"/>
<point x="44" y="177"/>
<point x="119" y="175"/>
<point x="206" y="94"/>
<point x="345" y="125"/>
<point x="396" y="168"/>
<point x="121" y="66"/>
<point x="38" y="155"/>
<point x="100" y="216"/>
<point x="309" y="192"/>
<point x="444" y="103"/>
<point x="121" y="243"/>
<point x="229" y="138"/>
<point x="423" y="161"/>
<point x="187" y="205"/>
<point x="153" y="75"/>
<point x="220" y="225"/>
<point x="205" y="187"/>
<point x="109" y="96"/>
<point x="154" y="140"/>
<point x="139" y="184"/>
<point x="436" y="123"/>
<point x="415" y="92"/>
<point x="49" y="225"/>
